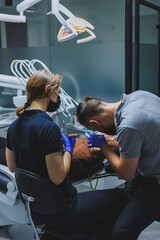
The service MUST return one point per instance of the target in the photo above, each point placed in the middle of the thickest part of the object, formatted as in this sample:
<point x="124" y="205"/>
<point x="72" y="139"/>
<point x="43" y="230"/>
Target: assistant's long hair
<point x="35" y="87"/>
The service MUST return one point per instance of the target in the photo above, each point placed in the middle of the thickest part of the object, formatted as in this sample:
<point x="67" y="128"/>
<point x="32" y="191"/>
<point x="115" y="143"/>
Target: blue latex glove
<point x="96" y="140"/>
<point x="69" y="143"/>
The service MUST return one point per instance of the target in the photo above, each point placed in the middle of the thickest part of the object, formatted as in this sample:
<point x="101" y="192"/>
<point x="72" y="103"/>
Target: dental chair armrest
<point x="8" y="191"/>
<point x="7" y="172"/>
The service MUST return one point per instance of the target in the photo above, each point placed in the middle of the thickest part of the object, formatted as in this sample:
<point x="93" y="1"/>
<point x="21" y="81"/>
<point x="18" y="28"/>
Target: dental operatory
<point x="79" y="120"/>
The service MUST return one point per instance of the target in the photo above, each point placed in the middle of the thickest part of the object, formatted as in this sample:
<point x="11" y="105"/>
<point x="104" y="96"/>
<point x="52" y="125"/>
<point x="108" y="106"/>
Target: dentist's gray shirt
<point x="137" y="121"/>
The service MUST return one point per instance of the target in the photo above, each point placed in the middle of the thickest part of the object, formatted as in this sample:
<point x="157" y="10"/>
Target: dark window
<point x="9" y="2"/>
<point x="16" y="35"/>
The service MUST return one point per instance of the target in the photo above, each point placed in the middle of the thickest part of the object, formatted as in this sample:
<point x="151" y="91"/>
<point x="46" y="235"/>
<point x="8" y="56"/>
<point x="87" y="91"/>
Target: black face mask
<point x="53" y="106"/>
<point x="111" y="130"/>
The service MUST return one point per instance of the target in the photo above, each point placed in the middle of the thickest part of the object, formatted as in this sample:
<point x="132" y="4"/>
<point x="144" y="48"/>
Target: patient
<point x="85" y="161"/>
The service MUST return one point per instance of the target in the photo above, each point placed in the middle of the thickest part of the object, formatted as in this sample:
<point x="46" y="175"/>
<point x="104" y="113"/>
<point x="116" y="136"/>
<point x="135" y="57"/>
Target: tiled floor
<point x="151" y="233"/>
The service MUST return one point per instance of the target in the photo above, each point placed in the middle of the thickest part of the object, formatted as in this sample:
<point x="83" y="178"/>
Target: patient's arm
<point x="10" y="159"/>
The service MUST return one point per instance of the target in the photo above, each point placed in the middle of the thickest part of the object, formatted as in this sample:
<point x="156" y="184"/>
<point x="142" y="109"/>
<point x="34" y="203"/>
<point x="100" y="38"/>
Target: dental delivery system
<point x="71" y="27"/>
<point x="23" y="69"/>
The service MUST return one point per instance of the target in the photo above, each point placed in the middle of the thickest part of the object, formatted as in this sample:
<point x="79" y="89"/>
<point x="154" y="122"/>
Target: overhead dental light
<point x="76" y="26"/>
<point x="71" y="27"/>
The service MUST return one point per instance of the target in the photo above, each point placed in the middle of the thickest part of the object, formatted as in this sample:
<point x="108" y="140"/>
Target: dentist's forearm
<point x="112" y="157"/>
<point x="125" y="168"/>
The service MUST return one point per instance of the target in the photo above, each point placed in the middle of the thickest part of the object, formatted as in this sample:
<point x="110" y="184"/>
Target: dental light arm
<point x="66" y="27"/>
<point x="57" y="8"/>
<point x="26" y="4"/>
<point x="20" y="8"/>
<point x="12" y="18"/>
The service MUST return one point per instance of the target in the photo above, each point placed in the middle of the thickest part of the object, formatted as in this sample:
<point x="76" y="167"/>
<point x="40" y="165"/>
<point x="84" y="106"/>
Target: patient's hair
<point x="88" y="108"/>
<point x="35" y="87"/>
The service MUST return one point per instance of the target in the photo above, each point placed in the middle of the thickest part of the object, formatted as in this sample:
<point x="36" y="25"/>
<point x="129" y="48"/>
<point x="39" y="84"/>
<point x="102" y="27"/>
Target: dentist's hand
<point x="96" y="140"/>
<point x="69" y="143"/>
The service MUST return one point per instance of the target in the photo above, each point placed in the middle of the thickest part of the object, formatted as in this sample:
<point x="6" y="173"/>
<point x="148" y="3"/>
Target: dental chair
<point x="38" y="195"/>
<point x="44" y="197"/>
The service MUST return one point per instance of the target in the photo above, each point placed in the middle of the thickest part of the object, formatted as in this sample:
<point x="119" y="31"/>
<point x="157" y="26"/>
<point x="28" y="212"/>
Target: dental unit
<point x="23" y="69"/>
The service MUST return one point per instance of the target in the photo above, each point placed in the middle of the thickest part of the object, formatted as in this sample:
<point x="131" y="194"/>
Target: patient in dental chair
<point x="85" y="161"/>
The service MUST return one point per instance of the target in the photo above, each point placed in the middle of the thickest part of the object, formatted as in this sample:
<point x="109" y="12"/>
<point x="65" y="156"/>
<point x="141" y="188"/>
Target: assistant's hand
<point x="69" y="143"/>
<point x="96" y="140"/>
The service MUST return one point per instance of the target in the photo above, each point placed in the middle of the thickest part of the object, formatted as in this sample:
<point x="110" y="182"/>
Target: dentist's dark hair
<point x="88" y="108"/>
